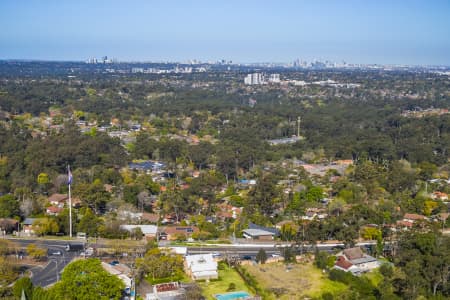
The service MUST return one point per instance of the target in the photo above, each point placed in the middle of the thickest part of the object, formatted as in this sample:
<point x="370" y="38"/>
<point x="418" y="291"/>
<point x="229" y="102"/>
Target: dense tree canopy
<point x="86" y="279"/>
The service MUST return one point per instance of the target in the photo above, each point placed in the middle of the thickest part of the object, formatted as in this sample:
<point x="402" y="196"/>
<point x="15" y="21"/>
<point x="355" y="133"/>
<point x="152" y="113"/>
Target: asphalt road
<point x="50" y="273"/>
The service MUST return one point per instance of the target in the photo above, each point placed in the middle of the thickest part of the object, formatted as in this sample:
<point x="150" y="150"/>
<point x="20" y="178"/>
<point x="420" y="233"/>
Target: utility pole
<point x="298" y="126"/>
<point x="69" y="182"/>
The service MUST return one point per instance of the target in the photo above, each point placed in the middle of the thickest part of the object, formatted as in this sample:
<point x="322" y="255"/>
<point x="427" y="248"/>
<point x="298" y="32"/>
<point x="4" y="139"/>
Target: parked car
<point x="54" y="252"/>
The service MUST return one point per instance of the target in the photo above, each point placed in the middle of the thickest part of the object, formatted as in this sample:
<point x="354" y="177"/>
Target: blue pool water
<point x="232" y="296"/>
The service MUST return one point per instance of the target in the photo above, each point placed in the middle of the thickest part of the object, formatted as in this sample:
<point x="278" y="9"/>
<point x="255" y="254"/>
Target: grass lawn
<point x="374" y="276"/>
<point x="227" y="275"/>
<point x="302" y="280"/>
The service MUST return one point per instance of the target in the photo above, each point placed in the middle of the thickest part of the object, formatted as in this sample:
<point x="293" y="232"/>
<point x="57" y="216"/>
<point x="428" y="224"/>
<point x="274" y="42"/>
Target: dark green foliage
<point x="263" y="196"/>
<point x="231" y="287"/>
<point x="261" y="256"/>
<point x="360" y="287"/>
<point x="86" y="279"/>
<point x="9" y="206"/>
<point x="288" y="254"/>
<point x="89" y="223"/>
<point x="425" y="258"/>
<point x="327" y="296"/>
<point x="321" y="259"/>
<point x="24" y="284"/>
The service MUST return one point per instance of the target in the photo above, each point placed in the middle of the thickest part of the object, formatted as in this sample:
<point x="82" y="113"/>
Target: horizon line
<point x="210" y="61"/>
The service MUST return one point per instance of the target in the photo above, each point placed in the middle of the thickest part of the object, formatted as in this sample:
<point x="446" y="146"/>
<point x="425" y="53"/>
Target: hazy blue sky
<point x="365" y="31"/>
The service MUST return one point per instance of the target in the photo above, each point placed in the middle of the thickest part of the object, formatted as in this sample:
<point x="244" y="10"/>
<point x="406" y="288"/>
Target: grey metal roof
<point x="29" y="221"/>
<point x="257" y="232"/>
<point x="363" y="260"/>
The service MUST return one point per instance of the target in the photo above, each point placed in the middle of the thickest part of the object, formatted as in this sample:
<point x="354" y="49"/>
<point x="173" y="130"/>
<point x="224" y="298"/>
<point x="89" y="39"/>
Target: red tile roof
<point x="343" y="263"/>
<point x="404" y="223"/>
<point x="414" y="217"/>
<point x="53" y="209"/>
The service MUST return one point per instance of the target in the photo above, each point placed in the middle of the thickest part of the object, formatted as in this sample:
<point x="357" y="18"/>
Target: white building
<point x="355" y="261"/>
<point x="201" y="266"/>
<point x="254" y="79"/>
<point x="274" y="78"/>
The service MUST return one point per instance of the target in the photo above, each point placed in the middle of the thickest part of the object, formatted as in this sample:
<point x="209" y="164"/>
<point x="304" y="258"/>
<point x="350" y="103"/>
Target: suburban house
<point x="53" y="210"/>
<point x="258" y="234"/>
<point x="409" y="220"/>
<point x="227" y="211"/>
<point x="171" y="233"/>
<point x="8" y="225"/>
<point x="58" y="200"/>
<point x="274" y="230"/>
<point x="148" y="231"/>
<point x="439" y="196"/>
<point x="354" y="260"/>
<point x="314" y="213"/>
<point x="28" y="225"/>
<point x="201" y="266"/>
<point x="150" y="217"/>
<point x="414" y="218"/>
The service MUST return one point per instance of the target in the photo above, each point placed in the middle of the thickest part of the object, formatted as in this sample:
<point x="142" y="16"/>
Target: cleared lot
<point x="294" y="281"/>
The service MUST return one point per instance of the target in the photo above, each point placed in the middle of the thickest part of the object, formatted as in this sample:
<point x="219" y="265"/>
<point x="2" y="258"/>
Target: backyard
<point x="293" y="281"/>
<point x="227" y="276"/>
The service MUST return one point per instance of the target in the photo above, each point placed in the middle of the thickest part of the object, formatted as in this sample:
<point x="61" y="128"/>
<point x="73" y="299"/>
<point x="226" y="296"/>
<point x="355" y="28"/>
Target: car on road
<point x="247" y="257"/>
<point x="114" y="263"/>
<point x="74" y="247"/>
<point x="54" y="252"/>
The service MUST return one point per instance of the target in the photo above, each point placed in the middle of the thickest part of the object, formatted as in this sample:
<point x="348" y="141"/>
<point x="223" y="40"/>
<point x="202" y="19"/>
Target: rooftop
<point x="353" y="253"/>
<point x="201" y="263"/>
<point x="146" y="229"/>
<point x="257" y="232"/>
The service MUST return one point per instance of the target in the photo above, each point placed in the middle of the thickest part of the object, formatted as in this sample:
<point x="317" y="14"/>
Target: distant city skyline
<point x="356" y="31"/>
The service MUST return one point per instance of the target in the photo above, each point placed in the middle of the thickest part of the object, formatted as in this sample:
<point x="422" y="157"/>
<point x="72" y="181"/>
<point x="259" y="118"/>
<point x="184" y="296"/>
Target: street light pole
<point x="57" y="275"/>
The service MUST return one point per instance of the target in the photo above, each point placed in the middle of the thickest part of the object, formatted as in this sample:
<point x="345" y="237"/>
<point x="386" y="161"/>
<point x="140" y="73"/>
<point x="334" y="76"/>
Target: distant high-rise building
<point x="137" y="70"/>
<point x="274" y="78"/>
<point x="255" y="78"/>
<point x="91" y="60"/>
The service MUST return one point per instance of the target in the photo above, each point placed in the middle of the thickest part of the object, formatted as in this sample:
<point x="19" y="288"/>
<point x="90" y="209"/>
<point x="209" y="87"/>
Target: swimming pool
<point x="233" y="296"/>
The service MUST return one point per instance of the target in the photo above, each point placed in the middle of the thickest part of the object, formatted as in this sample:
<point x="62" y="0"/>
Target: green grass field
<point x="227" y="275"/>
<point x="300" y="281"/>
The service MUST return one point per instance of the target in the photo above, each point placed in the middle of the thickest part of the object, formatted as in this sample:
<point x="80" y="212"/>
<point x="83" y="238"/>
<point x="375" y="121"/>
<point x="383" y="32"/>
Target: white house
<point x="355" y="261"/>
<point x="201" y="266"/>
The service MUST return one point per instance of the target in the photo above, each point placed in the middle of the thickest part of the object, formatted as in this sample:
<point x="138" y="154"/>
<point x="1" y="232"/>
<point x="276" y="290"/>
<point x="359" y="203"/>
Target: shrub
<point x="231" y="287"/>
